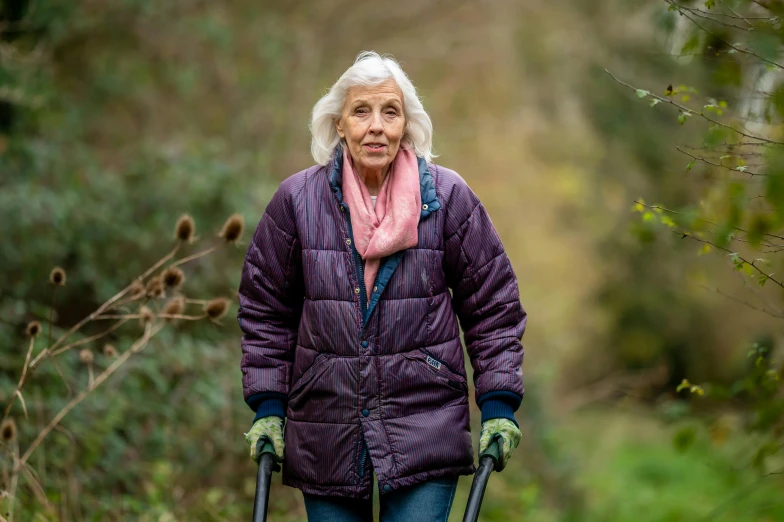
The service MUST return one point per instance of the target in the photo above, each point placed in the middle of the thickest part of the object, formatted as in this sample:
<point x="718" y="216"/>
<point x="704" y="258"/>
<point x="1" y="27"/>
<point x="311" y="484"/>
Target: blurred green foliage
<point x="118" y="117"/>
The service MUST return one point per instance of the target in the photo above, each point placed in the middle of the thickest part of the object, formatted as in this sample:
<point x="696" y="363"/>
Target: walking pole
<point x="488" y="461"/>
<point x="267" y="464"/>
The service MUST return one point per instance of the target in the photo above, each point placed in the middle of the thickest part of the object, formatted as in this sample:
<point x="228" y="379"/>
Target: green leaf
<point x="642" y="93"/>
<point x="654" y="101"/>
<point x="710" y="4"/>
<point x="682" y="118"/>
<point x="690" y="165"/>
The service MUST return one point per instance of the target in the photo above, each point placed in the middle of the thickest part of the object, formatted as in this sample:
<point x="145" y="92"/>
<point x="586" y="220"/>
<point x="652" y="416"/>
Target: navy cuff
<point x="268" y="403"/>
<point x="499" y="405"/>
<point x="270" y="407"/>
<point x="256" y="399"/>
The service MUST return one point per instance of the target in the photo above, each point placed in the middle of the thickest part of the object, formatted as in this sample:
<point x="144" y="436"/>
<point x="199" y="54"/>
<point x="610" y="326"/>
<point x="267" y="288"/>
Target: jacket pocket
<point x="443" y="373"/>
<point x="307" y="376"/>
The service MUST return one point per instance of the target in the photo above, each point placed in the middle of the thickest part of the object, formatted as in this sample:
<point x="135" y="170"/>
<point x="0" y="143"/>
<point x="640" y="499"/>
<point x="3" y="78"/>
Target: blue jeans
<point x="429" y="501"/>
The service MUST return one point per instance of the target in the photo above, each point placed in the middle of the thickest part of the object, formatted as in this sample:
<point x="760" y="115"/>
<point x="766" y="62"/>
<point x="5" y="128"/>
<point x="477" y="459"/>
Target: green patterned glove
<point x="271" y="427"/>
<point x="509" y="432"/>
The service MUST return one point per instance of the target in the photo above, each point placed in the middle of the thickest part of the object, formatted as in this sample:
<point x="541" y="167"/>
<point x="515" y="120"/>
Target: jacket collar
<point x="427" y="188"/>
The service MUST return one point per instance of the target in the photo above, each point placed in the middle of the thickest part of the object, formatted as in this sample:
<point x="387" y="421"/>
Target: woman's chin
<point x="374" y="163"/>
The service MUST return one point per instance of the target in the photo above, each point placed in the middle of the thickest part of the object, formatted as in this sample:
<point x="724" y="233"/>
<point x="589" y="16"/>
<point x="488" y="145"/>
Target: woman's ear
<point x="339" y="128"/>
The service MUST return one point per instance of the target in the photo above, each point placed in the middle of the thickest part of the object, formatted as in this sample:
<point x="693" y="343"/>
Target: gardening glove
<point x="510" y="435"/>
<point x="270" y="427"/>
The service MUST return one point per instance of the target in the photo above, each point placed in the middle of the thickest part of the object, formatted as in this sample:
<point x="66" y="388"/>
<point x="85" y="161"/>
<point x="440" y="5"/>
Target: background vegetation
<point x="645" y="238"/>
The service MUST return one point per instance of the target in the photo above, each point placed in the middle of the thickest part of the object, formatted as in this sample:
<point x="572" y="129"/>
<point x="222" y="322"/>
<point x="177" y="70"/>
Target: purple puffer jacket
<point x="382" y="385"/>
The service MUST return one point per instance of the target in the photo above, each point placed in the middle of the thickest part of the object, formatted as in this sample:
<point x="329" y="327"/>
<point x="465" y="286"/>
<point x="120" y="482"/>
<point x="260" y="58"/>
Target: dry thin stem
<point x="697" y="158"/>
<point x="186" y="317"/>
<point x="707" y="16"/>
<point x="135" y="348"/>
<point x="665" y="209"/>
<point x="35" y="485"/>
<point x="91" y="376"/>
<point x="700" y="114"/>
<point x="59" y="372"/>
<point x="737" y="15"/>
<point x="14" y="482"/>
<point x="163" y="316"/>
<point x="714" y="245"/>
<point x="89" y="339"/>
<point x="772" y="313"/>
<point x="103" y="307"/>
<point x="739" y="49"/>
<point x="22" y="401"/>
<point x="194" y="256"/>
<point x="21" y="379"/>
<point x="51" y="315"/>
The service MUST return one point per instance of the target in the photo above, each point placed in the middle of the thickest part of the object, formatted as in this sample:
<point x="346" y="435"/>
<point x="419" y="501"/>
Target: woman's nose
<point x="376" y="123"/>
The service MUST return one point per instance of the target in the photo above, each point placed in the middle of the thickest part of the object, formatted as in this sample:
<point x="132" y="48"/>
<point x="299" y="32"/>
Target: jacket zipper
<point x="360" y="270"/>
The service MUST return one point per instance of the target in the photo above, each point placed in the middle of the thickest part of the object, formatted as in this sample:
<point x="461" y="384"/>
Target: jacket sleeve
<point x="270" y="306"/>
<point x="486" y="300"/>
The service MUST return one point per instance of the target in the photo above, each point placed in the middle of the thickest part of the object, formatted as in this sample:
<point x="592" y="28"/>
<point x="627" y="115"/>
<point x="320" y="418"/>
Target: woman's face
<point x="373" y="123"/>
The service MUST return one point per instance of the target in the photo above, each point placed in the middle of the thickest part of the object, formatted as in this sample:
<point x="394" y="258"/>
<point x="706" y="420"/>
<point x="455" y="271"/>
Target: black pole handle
<point x="489" y="461"/>
<point x="268" y="462"/>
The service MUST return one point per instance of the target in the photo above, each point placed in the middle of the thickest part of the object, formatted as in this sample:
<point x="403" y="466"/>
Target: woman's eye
<point x="391" y="113"/>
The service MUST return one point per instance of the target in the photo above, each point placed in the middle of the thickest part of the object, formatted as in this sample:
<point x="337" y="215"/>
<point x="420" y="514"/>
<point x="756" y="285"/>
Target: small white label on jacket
<point x="432" y="362"/>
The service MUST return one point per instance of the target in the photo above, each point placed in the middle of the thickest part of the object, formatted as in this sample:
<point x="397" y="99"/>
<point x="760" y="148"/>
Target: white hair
<point x="369" y="69"/>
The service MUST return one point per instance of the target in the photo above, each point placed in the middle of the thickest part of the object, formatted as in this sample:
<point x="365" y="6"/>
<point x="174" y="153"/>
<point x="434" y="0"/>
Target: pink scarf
<point x="392" y="225"/>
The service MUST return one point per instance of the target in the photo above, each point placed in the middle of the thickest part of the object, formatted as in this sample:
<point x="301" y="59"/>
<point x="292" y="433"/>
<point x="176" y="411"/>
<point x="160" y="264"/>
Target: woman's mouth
<point x="374" y="147"/>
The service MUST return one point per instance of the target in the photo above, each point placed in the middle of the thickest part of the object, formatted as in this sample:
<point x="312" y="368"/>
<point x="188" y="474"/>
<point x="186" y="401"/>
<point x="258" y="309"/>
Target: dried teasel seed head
<point x="145" y="315"/>
<point x="185" y="228"/>
<point x="173" y="277"/>
<point x="8" y="431"/>
<point x="57" y="276"/>
<point x="155" y="288"/>
<point x="86" y="356"/>
<point x="232" y="229"/>
<point x="175" y="306"/>
<point x="33" y="328"/>
<point x="109" y="350"/>
<point x="137" y="289"/>
<point x="216" y="308"/>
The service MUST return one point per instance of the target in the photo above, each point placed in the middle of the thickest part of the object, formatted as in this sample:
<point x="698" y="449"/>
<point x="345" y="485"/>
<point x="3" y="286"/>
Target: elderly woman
<point x="350" y="331"/>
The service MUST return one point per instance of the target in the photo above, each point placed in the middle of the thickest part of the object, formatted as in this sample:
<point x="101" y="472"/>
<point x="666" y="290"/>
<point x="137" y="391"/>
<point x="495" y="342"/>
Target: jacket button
<point x="364" y="344"/>
<point x="365" y="412"/>
<point x="356" y="290"/>
<point x="348" y="241"/>
<point x="387" y="488"/>
<point x="375" y="289"/>
<point x="424" y="207"/>
<point x="342" y="209"/>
